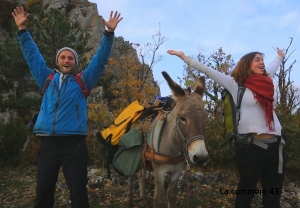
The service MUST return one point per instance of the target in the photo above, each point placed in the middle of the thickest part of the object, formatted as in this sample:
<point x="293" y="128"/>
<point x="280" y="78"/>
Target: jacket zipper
<point x="57" y="106"/>
<point x="78" y="114"/>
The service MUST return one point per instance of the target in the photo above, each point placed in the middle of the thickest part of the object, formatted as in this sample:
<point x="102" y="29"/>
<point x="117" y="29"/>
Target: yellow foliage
<point x="99" y="115"/>
<point x="31" y="3"/>
<point x="132" y="81"/>
<point x="45" y="20"/>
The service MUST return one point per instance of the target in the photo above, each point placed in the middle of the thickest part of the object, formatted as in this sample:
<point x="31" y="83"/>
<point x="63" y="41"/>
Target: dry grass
<point x="17" y="189"/>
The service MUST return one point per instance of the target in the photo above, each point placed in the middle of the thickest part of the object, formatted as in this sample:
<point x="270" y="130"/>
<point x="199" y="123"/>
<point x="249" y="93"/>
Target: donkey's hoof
<point x="130" y="203"/>
<point x="109" y="183"/>
<point x="145" y="202"/>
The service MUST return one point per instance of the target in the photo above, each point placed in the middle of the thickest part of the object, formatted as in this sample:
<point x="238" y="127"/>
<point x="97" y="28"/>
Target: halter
<point x="186" y="141"/>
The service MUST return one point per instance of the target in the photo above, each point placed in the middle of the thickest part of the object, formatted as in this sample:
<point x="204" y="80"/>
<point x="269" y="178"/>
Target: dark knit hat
<point x="72" y="51"/>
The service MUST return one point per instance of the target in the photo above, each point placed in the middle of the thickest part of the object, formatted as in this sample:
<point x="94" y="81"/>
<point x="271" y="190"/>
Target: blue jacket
<point x="64" y="109"/>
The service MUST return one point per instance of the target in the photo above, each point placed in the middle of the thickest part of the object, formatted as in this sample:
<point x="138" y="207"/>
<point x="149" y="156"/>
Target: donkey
<point x="182" y="136"/>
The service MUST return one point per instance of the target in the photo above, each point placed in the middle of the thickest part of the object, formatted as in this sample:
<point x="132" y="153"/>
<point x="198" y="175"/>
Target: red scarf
<point x="263" y="90"/>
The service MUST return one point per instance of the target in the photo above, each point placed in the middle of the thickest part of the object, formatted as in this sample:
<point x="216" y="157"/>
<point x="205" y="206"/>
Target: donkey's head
<point x="189" y="117"/>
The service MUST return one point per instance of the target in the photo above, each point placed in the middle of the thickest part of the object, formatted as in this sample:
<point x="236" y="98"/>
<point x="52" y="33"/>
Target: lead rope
<point x="188" y="185"/>
<point x="185" y="152"/>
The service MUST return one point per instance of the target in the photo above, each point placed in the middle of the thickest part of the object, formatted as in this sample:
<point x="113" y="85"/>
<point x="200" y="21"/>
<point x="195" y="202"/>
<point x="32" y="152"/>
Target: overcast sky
<point x="238" y="26"/>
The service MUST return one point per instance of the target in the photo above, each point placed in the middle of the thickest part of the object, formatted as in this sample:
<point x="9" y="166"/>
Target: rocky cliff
<point x="81" y="11"/>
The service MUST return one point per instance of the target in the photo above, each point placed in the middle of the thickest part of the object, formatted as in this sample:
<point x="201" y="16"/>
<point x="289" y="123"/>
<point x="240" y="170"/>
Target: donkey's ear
<point x="176" y="89"/>
<point x="200" y="86"/>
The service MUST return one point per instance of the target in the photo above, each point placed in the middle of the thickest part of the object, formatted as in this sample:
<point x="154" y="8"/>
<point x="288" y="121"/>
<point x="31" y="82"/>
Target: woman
<point x="259" y="148"/>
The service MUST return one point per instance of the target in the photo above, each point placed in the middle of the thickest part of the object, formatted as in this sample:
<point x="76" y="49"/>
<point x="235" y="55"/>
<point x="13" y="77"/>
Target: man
<point x="62" y="120"/>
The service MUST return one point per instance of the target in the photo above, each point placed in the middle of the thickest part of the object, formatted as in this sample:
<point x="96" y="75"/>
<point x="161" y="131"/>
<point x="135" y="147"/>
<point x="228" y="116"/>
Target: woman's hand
<point x="180" y="54"/>
<point x="280" y="52"/>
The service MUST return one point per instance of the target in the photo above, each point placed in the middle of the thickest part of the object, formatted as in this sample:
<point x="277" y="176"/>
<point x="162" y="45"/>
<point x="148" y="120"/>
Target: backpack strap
<point x="80" y="80"/>
<point x="30" y="123"/>
<point x="78" y="77"/>
<point x="47" y="82"/>
<point x="246" y="138"/>
<point x="34" y="118"/>
<point x="240" y="94"/>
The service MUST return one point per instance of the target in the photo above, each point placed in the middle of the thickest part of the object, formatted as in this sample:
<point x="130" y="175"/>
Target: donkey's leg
<point x="158" y="199"/>
<point x="173" y="186"/>
<point x="142" y="187"/>
<point x="130" y="191"/>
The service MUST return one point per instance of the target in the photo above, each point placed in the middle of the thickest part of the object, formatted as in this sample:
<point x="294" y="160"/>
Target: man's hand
<point x="20" y="17"/>
<point x="113" y="21"/>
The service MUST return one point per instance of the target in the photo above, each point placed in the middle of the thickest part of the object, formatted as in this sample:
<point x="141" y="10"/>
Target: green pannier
<point x="128" y="159"/>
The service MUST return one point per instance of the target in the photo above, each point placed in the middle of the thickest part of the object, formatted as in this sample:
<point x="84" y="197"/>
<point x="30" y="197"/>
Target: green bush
<point x="29" y="155"/>
<point x="292" y="145"/>
<point x="221" y="151"/>
<point x="12" y="138"/>
<point x="291" y="134"/>
<point x="95" y="157"/>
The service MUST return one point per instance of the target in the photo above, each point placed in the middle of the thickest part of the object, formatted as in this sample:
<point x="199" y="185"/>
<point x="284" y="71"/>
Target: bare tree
<point x="131" y="72"/>
<point x="219" y="61"/>
<point x="288" y="92"/>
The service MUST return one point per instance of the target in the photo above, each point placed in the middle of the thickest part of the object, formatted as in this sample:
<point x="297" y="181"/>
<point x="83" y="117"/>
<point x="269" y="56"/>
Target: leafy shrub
<point x="95" y="156"/>
<point x="12" y="138"/>
<point x="29" y="155"/>
<point x="220" y="151"/>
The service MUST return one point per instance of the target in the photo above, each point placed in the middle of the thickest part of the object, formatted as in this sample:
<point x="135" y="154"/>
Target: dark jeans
<point x="255" y="163"/>
<point x="69" y="152"/>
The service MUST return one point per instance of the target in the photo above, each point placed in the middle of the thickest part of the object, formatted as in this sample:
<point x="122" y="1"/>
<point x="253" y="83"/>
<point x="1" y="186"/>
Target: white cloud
<point x="244" y="8"/>
<point x="236" y="47"/>
<point x="272" y="2"/>
<point x="289" y="19"/>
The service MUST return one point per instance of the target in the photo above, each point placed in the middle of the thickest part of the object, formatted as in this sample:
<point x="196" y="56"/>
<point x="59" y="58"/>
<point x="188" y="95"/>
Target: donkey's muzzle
<point x="199" y="160"/>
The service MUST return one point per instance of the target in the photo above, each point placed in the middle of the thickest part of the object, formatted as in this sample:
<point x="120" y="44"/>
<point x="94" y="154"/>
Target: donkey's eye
<point x="182" y="120"/>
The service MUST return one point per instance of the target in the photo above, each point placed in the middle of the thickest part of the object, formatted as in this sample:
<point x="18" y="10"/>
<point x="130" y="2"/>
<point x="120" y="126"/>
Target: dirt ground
<point x="207" y="188"/>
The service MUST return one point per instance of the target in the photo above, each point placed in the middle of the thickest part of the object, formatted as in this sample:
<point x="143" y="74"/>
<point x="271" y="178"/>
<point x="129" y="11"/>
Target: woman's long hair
<point x="242" y="70"/>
